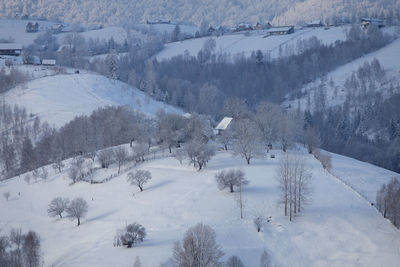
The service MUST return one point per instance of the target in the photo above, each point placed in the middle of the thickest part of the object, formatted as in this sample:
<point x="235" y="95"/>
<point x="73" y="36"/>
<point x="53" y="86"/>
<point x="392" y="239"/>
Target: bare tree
<point x="230" y="179"/>
<point x="31" y="250"/>
<point x="77" y="209"/>
<point x="199" y="248"/>
<point x="226" y="138"/>
<point x="139" y="178"/>
<point x="312" y="139"/>
<point x="180" y="155"/>
<point x="294" y="179"/>
<point x="247" y="143"/>
<point x="44" y="174"/>
<point x="58" y="165"/>
<point x="57" y="206"/>
<point x="388" y="201"/>
<point x="121" y="155"/>
<point x="267" y="118"/>
<point x="27" y="178"/>
<point x="105" y="157"/>
<point x="131" y="235"/>
<point x="234" y="261"/>
<point x="265" y="260"/>
<point x="73" y="173"/>
<point x="199" y="153"/>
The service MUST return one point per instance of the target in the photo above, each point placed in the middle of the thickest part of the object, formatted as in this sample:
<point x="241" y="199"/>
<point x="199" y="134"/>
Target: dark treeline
<point x="11" y="78"/>
<point x="372" y="134"/>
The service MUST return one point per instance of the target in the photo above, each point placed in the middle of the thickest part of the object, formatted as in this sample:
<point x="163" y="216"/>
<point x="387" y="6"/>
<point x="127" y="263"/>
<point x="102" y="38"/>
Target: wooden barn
<point x="280" y="30"/>
<point x="10" y="49"/>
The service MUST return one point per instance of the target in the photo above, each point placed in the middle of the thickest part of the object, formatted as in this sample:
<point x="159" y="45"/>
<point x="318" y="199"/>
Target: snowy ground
<point x="364" y="177"/>
<point x="338" y="228"/>
<point x="59" y="98"/>
<point x="168" y="28"/>
<point x="15" y="29"/>
<point x="240" y="43"/>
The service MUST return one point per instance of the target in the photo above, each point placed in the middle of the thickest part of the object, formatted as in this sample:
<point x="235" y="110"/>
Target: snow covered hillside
<point x="58" y="99"/>
<point x="389" y="58"/>
<point x="15" y="29"/>
<point x="338" y="228"/>
<point x="240" y="43"/>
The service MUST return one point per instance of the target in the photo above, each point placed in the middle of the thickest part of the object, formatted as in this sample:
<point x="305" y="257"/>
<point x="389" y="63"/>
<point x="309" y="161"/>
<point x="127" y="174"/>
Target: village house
<point x="282" y="30"/>
<point x="48" y="62"/>
<point x="315" y="24"/>
<point x="10" y="49"/>
<point x="223" y="125"/>
<point x="32" y="27"/>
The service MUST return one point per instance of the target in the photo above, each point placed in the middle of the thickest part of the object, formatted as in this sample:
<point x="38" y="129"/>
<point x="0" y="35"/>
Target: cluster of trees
<point x="294" y="178"/>
<point x="372" y="134"/>
<point x="17" y="131"/>
<point x="388" y="201"/>
<point x="75" y="209"/>
<point x="11" y="78"/>
<point x="199" y="248"/>
<point x="20" y="250"/>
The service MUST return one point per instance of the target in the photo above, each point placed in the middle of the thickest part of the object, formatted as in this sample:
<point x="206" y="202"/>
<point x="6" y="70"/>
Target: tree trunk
<point x="231" y="187"/>
<point x="141" y="188"/>
<point x="248" y="161"/>
<point x="79" y="221"/>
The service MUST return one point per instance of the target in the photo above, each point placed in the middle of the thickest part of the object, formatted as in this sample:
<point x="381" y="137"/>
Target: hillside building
<point x="10" y="49"/>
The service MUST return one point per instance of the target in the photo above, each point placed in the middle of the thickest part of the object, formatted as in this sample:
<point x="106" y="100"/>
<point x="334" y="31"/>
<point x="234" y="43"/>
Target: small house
<point x="280" y="30"/>
<point x="57" y="28"/>
<point x="365" y="22"/>
<point x="32" y="27"/>
<point x="223" y="125"/>
<point x="10" y="49"/>
<point x="315" y="24"/>
<point x="258" y="26"/>
<point x="49" y="62"/>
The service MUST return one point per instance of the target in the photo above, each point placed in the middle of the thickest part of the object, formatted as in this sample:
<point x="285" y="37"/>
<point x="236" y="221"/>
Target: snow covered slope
<point x="58" y="99"/>
<point x="338" y="228"/>
<point x="389" y="58"/>
<point x="240" y="43"/>
<point x="15" y="29"/>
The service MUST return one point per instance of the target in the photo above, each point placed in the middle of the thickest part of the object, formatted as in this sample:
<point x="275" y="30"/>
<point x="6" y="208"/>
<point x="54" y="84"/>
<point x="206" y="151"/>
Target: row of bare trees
<point x="294" y="178"/>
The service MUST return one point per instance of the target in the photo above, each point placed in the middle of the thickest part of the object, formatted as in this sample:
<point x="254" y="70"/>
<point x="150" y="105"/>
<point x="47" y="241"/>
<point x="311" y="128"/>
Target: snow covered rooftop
<point x="10" y="46"/>
<point x="224" y="123"/>
<point x="49" y="62"/>
<point x="280" y="29"/>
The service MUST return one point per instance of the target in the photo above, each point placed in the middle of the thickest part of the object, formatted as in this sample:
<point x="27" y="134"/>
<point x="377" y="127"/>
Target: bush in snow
<point x="199" y="248"/>
<point x="229" y="179"/>
<point x="6" y="195"/>
<point x="132" y="234"/>
<point x="139" y="178"/>
<point x="57" y="206"/>
<point x="258" y="222"/>
<point x="234" y="261"/>
<point x="77" y="209"/>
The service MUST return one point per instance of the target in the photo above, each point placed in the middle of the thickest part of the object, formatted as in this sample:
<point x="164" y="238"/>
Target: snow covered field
<point x="338" y="228"/>
<point x="240" y="43"/>
<point x="58" y="99"/>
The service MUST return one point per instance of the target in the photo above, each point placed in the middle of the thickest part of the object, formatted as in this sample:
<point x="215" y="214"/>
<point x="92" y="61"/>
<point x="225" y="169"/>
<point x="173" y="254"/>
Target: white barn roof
<point x="49" y="62"/>
<point x="10" y="46"/>
<point x="224" y="123"/>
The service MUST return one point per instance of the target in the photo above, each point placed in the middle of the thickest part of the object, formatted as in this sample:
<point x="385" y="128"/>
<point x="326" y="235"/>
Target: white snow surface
<point x="337" y="228"/>
<point x="58" y="99"/>
<point x="240" y="43"/>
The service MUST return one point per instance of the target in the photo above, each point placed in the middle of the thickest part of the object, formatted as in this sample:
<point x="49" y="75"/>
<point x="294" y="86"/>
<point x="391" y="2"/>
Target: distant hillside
<point x="58" y="99"/>
<point x="216" y="12"/>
